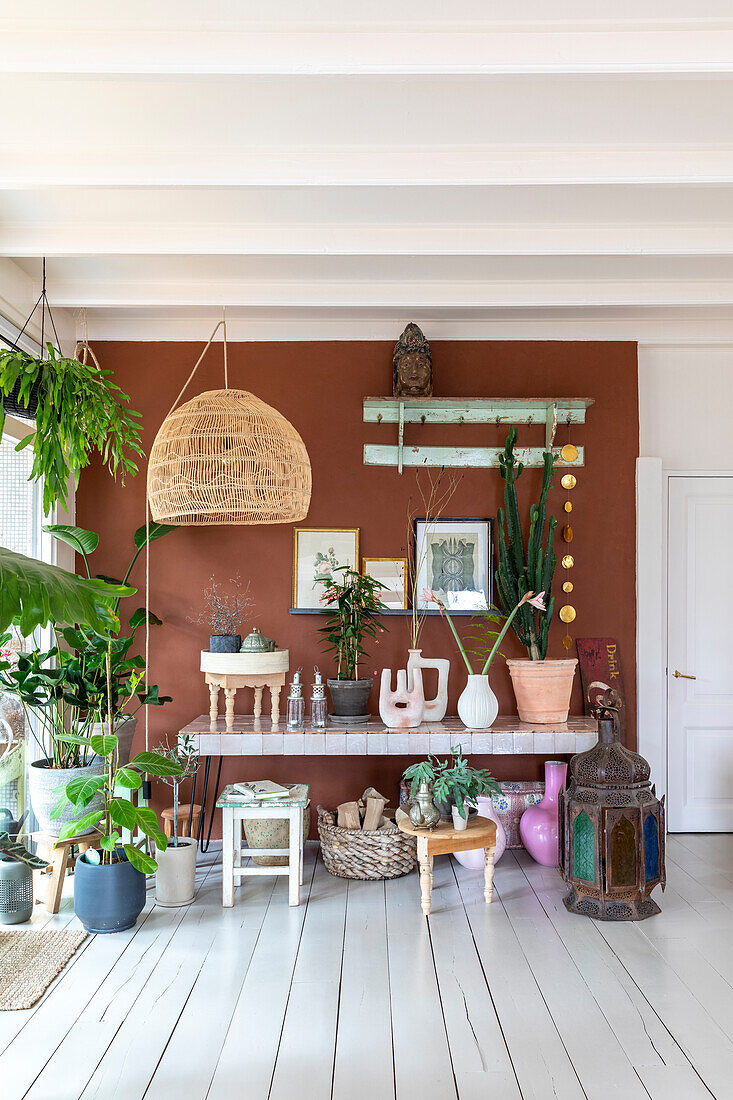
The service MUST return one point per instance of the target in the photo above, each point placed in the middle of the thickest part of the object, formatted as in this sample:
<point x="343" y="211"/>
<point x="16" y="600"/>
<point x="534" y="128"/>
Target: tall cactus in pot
<point x="531" y="570"/>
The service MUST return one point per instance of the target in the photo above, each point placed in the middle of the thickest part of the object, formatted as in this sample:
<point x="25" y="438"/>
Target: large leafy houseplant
<point x="80" y="411"/>
<point x="454" y="782"/>
<point x="115" y="812"/>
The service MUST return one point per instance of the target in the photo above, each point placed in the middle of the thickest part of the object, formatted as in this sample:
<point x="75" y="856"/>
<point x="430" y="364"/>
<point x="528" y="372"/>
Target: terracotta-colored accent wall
<point x="319" y="387"/>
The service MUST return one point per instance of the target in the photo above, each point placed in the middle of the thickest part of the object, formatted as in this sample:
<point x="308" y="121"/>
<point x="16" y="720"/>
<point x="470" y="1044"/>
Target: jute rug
<point x="29" y="962"/>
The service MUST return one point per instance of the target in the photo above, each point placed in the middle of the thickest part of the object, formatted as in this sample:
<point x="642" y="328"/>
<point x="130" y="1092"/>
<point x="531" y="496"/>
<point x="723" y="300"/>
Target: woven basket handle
<point x="325" y="816"/>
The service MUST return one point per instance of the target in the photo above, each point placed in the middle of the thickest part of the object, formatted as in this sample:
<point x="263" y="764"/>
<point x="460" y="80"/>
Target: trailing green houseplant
<point x="80" y="411"/>
<point x="354" y="607"/>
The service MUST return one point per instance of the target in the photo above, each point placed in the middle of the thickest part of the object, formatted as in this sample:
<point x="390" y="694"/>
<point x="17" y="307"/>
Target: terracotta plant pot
<point x="542" y="689"/>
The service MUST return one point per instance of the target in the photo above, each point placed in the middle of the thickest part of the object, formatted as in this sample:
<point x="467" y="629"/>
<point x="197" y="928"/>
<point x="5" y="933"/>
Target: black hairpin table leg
<point x="193" y="803"/>
<point x="205" y="848"/>
<point x="207" y="766"/>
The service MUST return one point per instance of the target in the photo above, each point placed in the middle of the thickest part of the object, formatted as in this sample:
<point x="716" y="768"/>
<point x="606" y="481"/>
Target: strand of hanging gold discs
<point x="567" y="612"/>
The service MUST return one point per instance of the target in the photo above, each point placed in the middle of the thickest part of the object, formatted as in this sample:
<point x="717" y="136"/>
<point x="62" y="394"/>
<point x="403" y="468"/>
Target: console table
<point x="250" y="736"/>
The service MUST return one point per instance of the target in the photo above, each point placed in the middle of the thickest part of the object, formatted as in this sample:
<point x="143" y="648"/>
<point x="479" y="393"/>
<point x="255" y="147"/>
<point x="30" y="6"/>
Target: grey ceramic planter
<point x="46" y="785"/>
<point x="16" y="892"/>
<point x="350" y="697"/>
<point x="108" y="897"/>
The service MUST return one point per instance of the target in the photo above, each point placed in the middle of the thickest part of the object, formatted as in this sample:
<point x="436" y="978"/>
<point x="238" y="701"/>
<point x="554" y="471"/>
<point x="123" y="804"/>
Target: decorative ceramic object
<point x="542" y="689"/>
<point x="475" y="858"/>
<point x="16" y="892"/>
<point x="477" y="704"/>
<point x="434" y="709"/>
<point x="401" y="709"/>
<point x="108" y="897"/>
<point x="46" y="785"/>
<point x="459" y="822"/>
<point x="256" y="642"/>
<point x="225" y="643"/>
<point x="423" y="813"/>
<point x="176" y="875"/>
<point x="515" y="798"/>
<point x="272" y="832"/>
<point x="539" y="826"/>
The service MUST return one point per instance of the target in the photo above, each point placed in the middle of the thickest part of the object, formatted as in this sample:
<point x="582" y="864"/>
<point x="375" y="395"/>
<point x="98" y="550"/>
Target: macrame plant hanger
<point x="43" y="302"/>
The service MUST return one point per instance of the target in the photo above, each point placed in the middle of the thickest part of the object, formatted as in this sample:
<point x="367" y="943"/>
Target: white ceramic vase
<point x="474" y="858"/>
<point x="401" y="709"/>
<point x="176" y="875"/>
<point x="433" y="709"/>
<point x="477" y="704"/>
<point x="459" y="823"/>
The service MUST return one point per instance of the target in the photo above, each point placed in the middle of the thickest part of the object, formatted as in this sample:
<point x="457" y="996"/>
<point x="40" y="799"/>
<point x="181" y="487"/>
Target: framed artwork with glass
<point x="454" y="559"/>
<point x="317" y="553"/>
<point x="392" y="573"/>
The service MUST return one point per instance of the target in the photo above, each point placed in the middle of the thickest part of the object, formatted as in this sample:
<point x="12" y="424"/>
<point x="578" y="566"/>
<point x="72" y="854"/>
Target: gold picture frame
<point x="317" y="551"/>
<point x="386" y="576"/>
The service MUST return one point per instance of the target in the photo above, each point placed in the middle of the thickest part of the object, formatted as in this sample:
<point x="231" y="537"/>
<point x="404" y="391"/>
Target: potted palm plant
<point x="109" y="886"/>
<point x="176" y="875"/>
<point x="354" y="606"/>
<point x="542" y="687"/>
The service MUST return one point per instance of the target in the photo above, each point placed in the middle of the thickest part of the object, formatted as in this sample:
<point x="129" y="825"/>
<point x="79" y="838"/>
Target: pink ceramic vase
<point x="538" y="825"/>
<point x="474" y="859"/>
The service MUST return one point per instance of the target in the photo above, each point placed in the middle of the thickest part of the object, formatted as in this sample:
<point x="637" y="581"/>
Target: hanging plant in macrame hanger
<point x="77" y="409"/>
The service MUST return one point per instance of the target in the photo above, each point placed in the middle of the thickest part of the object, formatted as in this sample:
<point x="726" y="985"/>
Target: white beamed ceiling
<point x="336" y="170"/>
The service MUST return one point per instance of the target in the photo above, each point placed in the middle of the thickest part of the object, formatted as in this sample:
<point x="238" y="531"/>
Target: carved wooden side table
<point x="232" y="671"/>
<point x="479" y="833"/>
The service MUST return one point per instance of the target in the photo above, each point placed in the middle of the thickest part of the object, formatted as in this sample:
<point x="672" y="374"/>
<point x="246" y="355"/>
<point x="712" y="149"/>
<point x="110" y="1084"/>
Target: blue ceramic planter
<point x="108" y="897"/>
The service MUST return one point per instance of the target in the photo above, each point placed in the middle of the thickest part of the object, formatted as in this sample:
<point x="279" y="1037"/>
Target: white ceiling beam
<point x="121" y="238"/>
<point x="684" y="49"/>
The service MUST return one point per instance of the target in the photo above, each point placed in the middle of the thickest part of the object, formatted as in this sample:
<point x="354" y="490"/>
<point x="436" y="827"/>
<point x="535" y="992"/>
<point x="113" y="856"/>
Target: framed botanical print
<point x="392" y="573"/>
<point x="317" y="552"/>
<point x="454" y="558"/>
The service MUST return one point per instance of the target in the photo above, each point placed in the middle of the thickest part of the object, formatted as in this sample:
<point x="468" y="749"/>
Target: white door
<point x="700" y="655"/>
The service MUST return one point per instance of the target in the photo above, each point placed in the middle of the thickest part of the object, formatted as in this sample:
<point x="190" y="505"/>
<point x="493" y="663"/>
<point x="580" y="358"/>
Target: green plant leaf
<point x="155" y="764"/>
<point x="148" y="822"/>
<point x="138" y="618"/>
<point x="103" y="743"/>
<point x="109" y="843"/>
<point x="123" y="813"/>
<point x="33" y="593"/>
<point x="80" y="824"/>
<point x="157" y="530"/>
<point x="83" y="541"/>
<point x="139" y="860"/>
<point x="82" y="790"/>
<point x="128" y="778"/>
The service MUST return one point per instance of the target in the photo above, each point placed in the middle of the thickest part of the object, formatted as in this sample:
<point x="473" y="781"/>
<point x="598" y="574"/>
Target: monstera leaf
<point x="33" y="593"/>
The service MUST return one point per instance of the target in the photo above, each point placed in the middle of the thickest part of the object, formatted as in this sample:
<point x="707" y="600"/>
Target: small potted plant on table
<point x="224" y="612"/>
<point x="454" y="786"/>
<point x="354" y="606"/>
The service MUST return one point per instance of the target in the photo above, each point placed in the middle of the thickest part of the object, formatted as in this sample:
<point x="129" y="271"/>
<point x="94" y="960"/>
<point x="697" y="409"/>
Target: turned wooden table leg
<point x="489" y="875"/>
<point x="258" y="702"/>
<point x="230" y="693"/>
<point x="426" y="874"/>
<point x="213" y="702"/>
<point x="275" y="699"/>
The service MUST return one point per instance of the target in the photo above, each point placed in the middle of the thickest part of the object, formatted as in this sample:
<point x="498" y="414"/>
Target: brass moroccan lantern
<point x="611" y="826"/>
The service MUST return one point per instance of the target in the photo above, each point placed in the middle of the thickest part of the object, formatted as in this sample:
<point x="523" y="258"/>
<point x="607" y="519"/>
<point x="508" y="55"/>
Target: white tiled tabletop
<point x="251" y="736"/>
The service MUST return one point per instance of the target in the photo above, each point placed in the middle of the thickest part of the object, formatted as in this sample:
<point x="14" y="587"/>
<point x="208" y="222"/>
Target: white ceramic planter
<point x="459" y="823"/>
<point x="46" y="785"/>
<point x="176" y="875"/>
<point x="477" y="704"/>
<point x="433" y="709"/>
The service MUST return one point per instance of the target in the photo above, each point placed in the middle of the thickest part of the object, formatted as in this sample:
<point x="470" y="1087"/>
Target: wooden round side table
<point x="479" y="833"/>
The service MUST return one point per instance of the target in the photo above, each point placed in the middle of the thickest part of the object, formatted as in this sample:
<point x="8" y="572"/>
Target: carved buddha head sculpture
<point x="412" y="365"/>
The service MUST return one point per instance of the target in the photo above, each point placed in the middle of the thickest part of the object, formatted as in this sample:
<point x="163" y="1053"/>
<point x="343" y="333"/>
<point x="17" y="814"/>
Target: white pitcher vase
<point x="477" y="704"/>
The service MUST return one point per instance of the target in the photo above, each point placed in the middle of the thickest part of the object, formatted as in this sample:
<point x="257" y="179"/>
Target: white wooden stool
<point x="234" y="811"/>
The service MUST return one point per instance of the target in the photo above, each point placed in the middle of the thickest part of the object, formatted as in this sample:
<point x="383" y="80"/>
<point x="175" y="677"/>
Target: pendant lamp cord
<point x="221" y="324"/>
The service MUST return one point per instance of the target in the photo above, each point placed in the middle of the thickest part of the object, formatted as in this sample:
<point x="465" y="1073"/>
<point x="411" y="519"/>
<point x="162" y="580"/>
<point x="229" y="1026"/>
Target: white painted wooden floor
<point x="355" y="995"/>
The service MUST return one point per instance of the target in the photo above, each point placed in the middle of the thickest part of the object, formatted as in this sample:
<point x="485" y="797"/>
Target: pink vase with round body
<point x="538" y="825"/>
<point x="474" y="859"/>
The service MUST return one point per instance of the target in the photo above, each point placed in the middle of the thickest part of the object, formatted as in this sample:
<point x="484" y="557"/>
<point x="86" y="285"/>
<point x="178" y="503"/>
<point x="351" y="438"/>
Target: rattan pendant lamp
<point x="225" y="457"/>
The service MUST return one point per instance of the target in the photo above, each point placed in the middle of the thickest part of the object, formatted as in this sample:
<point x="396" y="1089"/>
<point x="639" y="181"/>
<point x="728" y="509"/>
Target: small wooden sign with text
<point x="600" y="659"/>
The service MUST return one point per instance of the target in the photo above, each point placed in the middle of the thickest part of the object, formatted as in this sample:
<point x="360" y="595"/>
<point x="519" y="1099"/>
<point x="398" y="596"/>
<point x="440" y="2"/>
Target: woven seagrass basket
<point x="354" y="853"/>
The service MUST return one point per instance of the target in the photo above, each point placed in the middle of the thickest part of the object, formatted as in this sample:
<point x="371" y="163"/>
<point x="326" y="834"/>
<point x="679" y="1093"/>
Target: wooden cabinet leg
<point x="258" y="702"/>
<point x="213" y="703"/>
<point x="227" y="860"/>
<point x="58" y="874"/>
<point x="230" y="693"/>
<point x="294" y="855"/>
<point x="275" y="698"/>
<point x="489" y="875"/>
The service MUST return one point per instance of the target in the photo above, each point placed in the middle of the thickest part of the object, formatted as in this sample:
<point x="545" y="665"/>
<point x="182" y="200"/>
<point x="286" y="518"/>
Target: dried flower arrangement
<point x="225" y="611"/>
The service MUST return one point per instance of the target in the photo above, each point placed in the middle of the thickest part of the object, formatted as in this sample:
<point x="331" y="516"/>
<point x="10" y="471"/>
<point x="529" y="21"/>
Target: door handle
<point x="683" y="675"/>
